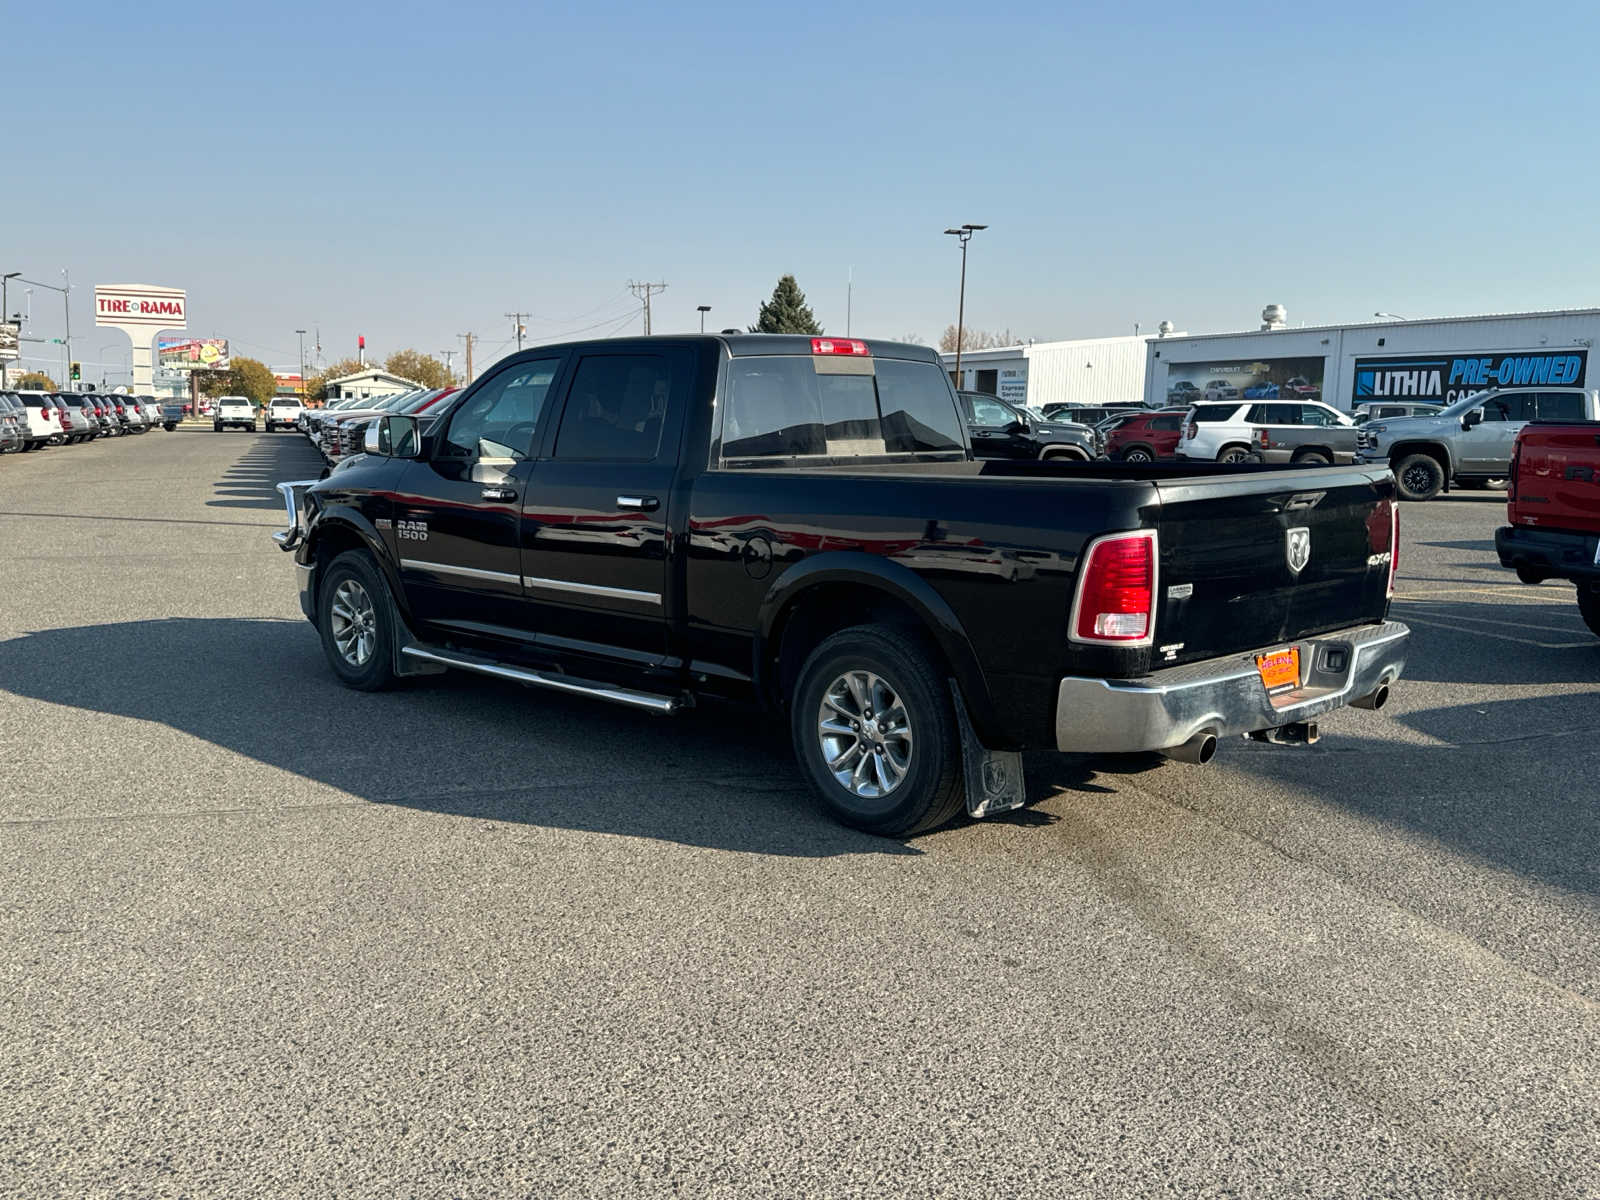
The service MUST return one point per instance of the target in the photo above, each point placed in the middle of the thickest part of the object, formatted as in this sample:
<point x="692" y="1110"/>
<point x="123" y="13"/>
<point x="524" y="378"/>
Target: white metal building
<point x="1085" y="371"/>
<point x="369" y="384"/>
<point x="1436" y="360"/>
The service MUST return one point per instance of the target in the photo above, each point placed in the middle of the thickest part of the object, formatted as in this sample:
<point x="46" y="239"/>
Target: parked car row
<point x="29" y="420"/>
<point x="339" y="429"/>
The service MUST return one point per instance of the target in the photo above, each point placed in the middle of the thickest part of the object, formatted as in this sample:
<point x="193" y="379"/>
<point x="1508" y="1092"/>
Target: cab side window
<point x="498" y="419"/>
<point x="1514" y="406"/>
<point x="990" y="412"/>
<point x="616" y="408"/>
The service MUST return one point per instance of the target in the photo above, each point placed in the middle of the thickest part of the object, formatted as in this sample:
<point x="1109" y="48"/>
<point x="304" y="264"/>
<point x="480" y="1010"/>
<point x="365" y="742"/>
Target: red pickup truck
<point x="1554" y="509"/>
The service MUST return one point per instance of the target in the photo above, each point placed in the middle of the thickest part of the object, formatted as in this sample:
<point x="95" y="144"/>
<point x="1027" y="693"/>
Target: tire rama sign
<point x="140" y="310"/>
<point x="137" y="304"/>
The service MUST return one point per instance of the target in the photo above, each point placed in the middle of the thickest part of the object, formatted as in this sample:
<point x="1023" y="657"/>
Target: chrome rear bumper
<point x="1225" y="696"/>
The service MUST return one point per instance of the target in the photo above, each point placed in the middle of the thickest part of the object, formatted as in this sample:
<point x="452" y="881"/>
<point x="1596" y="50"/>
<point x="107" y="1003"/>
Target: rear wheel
<point x="1419" y="477"/>
<point x="1235" y="454"/>
<point x="1311" y="458"/>
<point x="1589" y="606"/>
<point x="355" y="620"/>
<point x="875" y="732"/>
<point x="1137" y="454"/>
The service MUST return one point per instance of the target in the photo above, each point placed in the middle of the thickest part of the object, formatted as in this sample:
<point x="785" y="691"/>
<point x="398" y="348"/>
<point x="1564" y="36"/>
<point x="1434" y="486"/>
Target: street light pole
<point x="702" y="309"/>
<point x="5" y="315"/>
<point x="964" y="235"/>
<point x="1391" y="316"/>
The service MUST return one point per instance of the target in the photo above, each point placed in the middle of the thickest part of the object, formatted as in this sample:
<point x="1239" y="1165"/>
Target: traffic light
<point x="77" y="372"/>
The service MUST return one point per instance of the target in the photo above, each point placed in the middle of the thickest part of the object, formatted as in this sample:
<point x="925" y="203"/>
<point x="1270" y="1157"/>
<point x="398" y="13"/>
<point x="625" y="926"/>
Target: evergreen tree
<point x="787" y="311"/>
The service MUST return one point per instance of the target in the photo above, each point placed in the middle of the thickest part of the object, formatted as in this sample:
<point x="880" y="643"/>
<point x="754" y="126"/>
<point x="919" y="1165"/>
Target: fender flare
<point x="899" y="583"/>
<point x="1402" y="447"/>
<point x="1076" y="449"/>
<point x="344" y="517"/>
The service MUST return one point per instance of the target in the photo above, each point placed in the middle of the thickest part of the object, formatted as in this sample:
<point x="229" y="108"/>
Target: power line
<point x="644" y="291"/>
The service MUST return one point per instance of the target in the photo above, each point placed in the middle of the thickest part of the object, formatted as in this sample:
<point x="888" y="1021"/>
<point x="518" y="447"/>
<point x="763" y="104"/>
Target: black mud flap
<point x="994" y="777"/>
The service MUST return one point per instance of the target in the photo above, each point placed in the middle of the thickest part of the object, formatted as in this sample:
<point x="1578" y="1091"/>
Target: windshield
<point x="1459" y="407"/>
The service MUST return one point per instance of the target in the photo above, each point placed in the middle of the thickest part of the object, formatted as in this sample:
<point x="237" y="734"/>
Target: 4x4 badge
<point x="1299" y="549"/>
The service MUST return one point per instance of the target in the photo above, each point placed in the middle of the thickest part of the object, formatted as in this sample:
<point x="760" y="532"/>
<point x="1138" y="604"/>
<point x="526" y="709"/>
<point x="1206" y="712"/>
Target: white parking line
<point x="1494" y="621"/>
<point x="1504" y="637"/>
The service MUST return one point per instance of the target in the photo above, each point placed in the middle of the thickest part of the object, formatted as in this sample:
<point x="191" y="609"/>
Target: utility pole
<point x="849" y="299"/>
<point x="449" y="357"/>
<point x="644" y="292"/>
<point x="468" y="338"/>
<point x="66" y="308"/>
<point x="517" y="327"/>
<point x="5" y="315"/>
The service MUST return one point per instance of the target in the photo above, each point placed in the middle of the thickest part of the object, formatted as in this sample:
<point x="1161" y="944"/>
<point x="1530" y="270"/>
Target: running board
<point x="649" y="701"/>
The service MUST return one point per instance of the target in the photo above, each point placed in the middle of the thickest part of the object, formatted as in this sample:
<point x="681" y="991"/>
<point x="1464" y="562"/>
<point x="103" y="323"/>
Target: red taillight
<point x="1116" y="600"/>
<point x="838" y="346"/>
<point x="1394" y="544"/>
<point x="1261" y="436"/>
<point x="1194" y="428"/>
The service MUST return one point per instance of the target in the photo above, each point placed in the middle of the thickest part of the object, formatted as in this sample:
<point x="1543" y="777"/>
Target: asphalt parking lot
<point x="262" y="936"/>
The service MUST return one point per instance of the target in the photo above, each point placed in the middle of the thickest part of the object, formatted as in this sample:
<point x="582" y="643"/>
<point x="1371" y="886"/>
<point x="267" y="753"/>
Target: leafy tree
<point x="244" y="377"/>
<point x="787" y="311"/>
<point x="976" y="339"/>
<point x="316" y="387"/>
<point x="422" y="369"/>
<point x="36" y="381"/>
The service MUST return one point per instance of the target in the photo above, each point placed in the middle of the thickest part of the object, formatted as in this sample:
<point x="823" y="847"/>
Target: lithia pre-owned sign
<point x="141" y="305"/>
<point x="1446" y="377"/>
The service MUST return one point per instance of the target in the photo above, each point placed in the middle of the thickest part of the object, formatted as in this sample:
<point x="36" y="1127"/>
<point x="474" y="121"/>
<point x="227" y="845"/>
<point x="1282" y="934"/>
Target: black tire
<point x="1530" y="576"/>
<point x="1312" y="458"/>
<point x="1589" y="606"/>
<point x="1138" y="454"/>
<point x="1419" y="477"/>
<point x="1234" y="454"/>
<point x="374" y="671"/>
<point x="932" y="790"/>
<point x="216" y="427"/>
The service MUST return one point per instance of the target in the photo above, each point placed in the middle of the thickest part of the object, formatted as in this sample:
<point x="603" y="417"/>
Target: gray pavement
<point x="261" y="936"/>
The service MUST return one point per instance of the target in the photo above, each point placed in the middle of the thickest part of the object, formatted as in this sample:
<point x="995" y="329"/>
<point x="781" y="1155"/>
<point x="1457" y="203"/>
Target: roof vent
<point x="1274" y="316"/>
<point x="1165" y="328"/>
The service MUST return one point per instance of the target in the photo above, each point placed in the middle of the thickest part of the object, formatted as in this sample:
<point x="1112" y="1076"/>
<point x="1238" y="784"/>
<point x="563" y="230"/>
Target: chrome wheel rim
<point x="353" y="621"/>
<point x="864" y="733"/>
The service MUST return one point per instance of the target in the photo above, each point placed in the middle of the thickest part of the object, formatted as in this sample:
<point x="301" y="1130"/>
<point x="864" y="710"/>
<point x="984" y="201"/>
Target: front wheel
<point x="356" y="622"/>
<point x="875" y="732"/>
<point x="1419" y="477"/>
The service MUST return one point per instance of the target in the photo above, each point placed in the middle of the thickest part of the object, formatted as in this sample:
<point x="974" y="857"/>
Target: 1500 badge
<point x="416" y="531"/>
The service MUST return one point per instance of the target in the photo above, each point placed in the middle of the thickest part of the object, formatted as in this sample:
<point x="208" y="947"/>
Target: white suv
<point x="234" y="410"/>
<point x="1226" y="432"/>
<point x="283" y="412"/>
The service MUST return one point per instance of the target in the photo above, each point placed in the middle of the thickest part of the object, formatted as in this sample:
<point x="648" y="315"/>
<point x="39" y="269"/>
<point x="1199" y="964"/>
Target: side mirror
<point x="393" y="437"/>
<point x="1468" y="420"/>
<point x="1017" y="427"/>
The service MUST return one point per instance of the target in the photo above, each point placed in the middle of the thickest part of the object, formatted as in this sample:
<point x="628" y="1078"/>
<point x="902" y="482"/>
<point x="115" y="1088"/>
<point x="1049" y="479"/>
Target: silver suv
<point x="1469" y="443"/>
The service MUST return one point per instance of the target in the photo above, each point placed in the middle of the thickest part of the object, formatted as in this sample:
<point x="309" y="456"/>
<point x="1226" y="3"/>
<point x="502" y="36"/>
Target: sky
<point x="415" y="172"/>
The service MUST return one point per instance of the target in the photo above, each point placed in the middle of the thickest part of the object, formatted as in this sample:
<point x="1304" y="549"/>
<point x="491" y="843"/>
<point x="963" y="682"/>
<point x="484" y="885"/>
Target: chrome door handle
<point x="499" y="493"/>
<point x="639" y="503"/>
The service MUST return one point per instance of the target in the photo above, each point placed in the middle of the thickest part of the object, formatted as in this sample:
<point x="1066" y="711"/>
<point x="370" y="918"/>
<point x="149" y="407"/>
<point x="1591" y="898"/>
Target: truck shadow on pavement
<point x="269" y="459"/>
<point x="718" y="777"/>
<point x="1496" y="641"/>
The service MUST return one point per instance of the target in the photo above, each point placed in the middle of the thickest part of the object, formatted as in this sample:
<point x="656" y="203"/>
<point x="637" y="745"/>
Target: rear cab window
<point x="822" y="407"/>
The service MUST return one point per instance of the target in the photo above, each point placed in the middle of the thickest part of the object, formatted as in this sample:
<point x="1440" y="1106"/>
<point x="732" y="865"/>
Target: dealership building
<point x="1436" y="360"/>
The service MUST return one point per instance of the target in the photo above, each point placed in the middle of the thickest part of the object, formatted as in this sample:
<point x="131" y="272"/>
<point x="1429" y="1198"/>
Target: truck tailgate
<point x="1557" y="477"/>
<point x="1266" y="557"/>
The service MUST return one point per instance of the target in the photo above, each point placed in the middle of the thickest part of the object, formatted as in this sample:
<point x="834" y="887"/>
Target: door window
<point x="1512" y="406"/>
<point x="497" y="420"/>
<point x="1561" y="406"/>
<point x="1312" y="414"/>
<point x="1169" y="422"/>
<point x="615" y="408"/>
<point x="1274" y="414"/>
<point x="989" y="412"/>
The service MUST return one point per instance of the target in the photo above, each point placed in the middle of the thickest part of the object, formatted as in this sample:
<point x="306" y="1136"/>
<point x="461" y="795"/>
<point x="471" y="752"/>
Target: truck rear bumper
<point x="1224" y="696"/>
<point x="1558" y="553"/>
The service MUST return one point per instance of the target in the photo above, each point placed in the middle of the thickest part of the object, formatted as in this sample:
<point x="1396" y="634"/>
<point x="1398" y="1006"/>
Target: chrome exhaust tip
<point x="1199" y="750"/>
<point x="1374" y="700"/>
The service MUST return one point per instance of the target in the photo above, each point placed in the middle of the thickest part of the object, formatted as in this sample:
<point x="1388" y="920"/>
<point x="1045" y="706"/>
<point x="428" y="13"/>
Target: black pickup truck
<point x="799" y="522"/>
